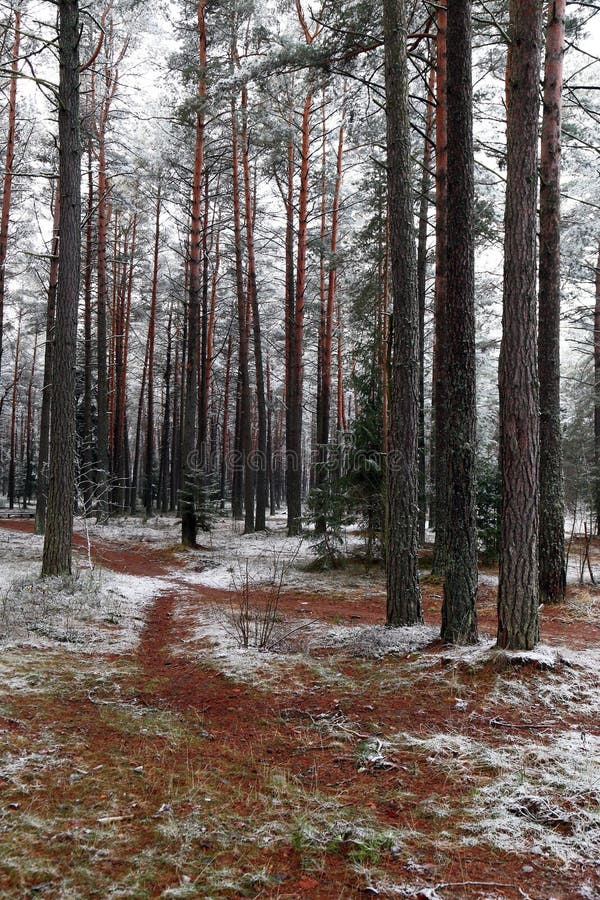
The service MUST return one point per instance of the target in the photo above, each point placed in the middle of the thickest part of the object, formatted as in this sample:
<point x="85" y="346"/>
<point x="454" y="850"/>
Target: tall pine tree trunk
<point x="9" y="160"/>
<point x="61" y="489"/>
<point x="323" y="420"/>
<point x="439" y="349"/>
<point x="163" y="480"/>
<point x="44" y="442"/>
<point x="403" y="591"/>
<point x="102" y="427"/>
<point x="243" y="474"/>
<point x="597" y="392"/>
<point x="149" y="481"/>
<point x="459" y="616"/>
<point x="518" y="592"/>
<point x="88" y="474"/>
<point x="422" y="286"/>
<point x="260" y="458"/>
<point x="12" y="462"/>
<point x="552" y="513"/>
<point x="189" y="519"/>
<point x="296" y="380"/>
<point x="28" y="481"/>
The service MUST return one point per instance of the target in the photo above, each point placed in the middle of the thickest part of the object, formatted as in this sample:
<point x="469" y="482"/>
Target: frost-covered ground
<point x="95" y="610"/>
<point x="475" y="747"/>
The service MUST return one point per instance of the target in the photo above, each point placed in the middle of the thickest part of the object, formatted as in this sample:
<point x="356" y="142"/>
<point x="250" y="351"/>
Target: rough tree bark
<point x="552" y="513"/>
<point x="61" y="488"/>
<point x="189" y="519"/>
<point x="518" y="591"/>
<point x="459" y="616"/>
<point x="439" y="349"/>
<point x="403" y="591"/>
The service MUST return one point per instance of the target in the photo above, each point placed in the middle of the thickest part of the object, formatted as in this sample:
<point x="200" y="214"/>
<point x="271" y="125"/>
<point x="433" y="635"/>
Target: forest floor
<point x="144" y="753"/>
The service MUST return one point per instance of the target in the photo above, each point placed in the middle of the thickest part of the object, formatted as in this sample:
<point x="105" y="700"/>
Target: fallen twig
<point x="283" y="637"/>
<point x="442" y="885"/>
<point x="498" y="722"/>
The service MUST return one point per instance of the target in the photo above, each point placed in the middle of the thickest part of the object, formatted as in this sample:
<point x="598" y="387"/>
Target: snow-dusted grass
<point x="159" y="531"/>
<point x="377" y="641"/>
<point x="97" y="611"/>
<point x="94" y="610"/>
<point x="538" y="797"/>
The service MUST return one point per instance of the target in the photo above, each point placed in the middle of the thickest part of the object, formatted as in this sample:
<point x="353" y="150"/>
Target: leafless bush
<point x="252" y="616"/>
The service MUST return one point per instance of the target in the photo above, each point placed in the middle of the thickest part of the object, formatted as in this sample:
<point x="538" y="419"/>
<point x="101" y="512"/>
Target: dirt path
<point x="559" y="625"/>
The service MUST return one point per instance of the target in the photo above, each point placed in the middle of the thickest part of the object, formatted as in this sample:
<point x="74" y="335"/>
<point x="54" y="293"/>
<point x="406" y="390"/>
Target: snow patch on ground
<point x="95" y="610"/>
<point x="377" y="641"/>
<point x="540" y="797"/>
<point x="543" y="656"/>
<point x="216" y="633"/>
<point x="160" y="531"/>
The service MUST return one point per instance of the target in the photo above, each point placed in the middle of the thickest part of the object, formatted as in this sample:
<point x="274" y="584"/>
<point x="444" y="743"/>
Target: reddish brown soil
<point x="239" y="735"/>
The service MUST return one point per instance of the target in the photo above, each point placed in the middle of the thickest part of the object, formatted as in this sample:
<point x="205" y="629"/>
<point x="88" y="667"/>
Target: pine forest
<point x="300" y="449"/>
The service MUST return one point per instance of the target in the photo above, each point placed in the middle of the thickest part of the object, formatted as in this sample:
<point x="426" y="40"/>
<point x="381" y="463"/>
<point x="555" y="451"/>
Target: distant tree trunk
<point x="225" y="426"/>
<point x="28" y="481"/>
<point x="149" y="480"/>
<point x="422" y="287"/>
<point x="189" y="519"/>
<point x="290" y="286"/>
<point x="342" y="424"/>
<point x="121" y="323"/>
<point x="439" y="347"/>
<point x="88" y="474"/>
<point x="323" y="421"/>
<point x="176" y="426"/>
<point x="9" y="160"/>
<point x="243" y="474"/>
<point x="59" y="520"/>
<point x="459" y="616"/>
<point x="13" y="419"/>
<point x="163" y="481"/>
<point x="133" y="493"/>
<point x="102" y="429"/>
<point x="597" y="392"/>
<point x="270" y="469"/>
<point x="114" y="344"/>
<point x="552" y="512"/>
<point x="295" y="387"/>
<point x="518" y="591"/>
<point x="318" y="474"/>
<point x="210" y="456"/>
<point x="121" y="433"/>
<point x="403" y="591"/>
<point x="44" y="443"/>
<point x="260" y="467"/>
